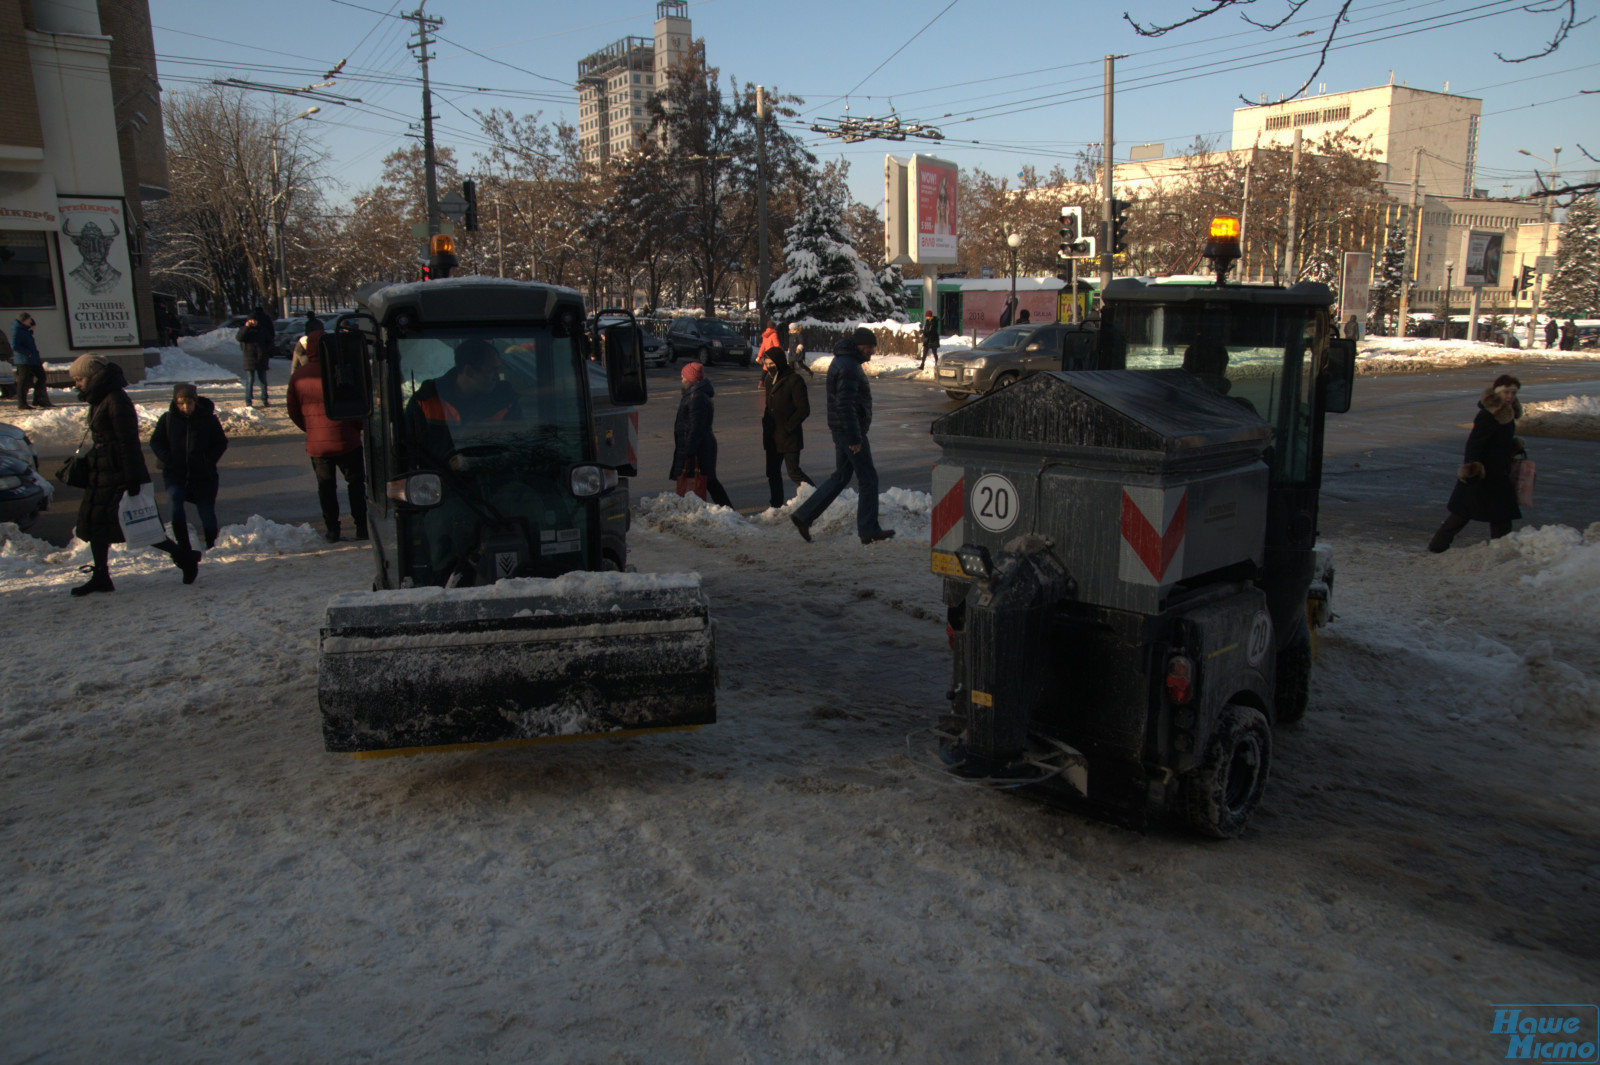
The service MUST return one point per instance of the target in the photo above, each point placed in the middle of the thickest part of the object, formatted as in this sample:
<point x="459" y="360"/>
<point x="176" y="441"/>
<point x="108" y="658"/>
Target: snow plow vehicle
<point x="497" y="453"/>
<point x="1130" y="556"/>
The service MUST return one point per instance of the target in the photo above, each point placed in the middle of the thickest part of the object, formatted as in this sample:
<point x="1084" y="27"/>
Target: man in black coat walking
<point x="782" y="432"/>
<point x="849" y="418"/>
<point x="257" y="338"/>
<point x="188" y="441"/>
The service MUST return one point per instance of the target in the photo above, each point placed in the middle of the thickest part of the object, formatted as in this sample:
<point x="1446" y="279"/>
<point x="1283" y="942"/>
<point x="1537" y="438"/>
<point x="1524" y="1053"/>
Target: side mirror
<point x="346" y="376"/>
<point x="1339" y="376"/>
<point x="622" y="352"/>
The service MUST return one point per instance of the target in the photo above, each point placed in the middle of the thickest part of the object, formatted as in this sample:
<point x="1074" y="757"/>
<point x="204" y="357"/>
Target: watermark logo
<point x="1545" y="1031"/>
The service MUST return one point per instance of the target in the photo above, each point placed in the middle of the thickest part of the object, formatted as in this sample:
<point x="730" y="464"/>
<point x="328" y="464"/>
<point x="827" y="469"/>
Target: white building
<point x="616" y="83"/>
<point x="81" y="148"/>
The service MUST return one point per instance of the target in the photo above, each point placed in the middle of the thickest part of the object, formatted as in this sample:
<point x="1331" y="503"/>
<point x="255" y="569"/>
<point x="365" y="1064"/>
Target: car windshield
<point x="501" y="417"/>
<point x="714" y="328"/>
<point x="1007" y="338"/>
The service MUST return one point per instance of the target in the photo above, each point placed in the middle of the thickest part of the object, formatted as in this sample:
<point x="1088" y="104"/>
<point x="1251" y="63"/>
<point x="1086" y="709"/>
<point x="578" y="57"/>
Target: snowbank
<point x="178" y="365"/>
<point x="216" y="342"/>
<point x="1423" y="354"/>
<point x="1576" y="417"/>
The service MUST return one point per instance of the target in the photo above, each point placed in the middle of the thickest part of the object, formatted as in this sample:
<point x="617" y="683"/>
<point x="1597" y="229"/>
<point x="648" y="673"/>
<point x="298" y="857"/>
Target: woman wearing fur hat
<point x="782" y="434"/>
<point x="116" y="466"/>
<point x="189" y="441"/>
<point x="694" y="444"/>
<point x="1484" y="490"/>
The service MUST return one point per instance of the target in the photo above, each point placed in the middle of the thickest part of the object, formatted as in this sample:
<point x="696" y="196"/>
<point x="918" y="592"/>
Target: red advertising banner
<point x="937" y="227"/>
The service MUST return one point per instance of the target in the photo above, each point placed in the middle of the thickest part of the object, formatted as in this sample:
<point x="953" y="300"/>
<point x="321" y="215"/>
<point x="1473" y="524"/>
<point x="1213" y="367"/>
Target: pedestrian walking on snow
<point x="849" y="419"/>
<point x="257" y="338"/>
<point x="694" y="444"/>
<point x="1551" y="331"/>
<point x="930" y="339"/>
<point x="1484" y="489"/>
<point x="334" y="448"/>
<point x="782" y="432"/>
<point x="797" y="351"/>
<point x="28" y="363"/>
<point x="188" y="441"/>
<point x="116" y="467"/>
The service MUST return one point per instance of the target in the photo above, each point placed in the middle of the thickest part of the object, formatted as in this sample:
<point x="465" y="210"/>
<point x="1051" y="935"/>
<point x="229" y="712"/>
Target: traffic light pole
<point x="1105" y="199"/>
<point x="1544" y="242"/>
<point x="426" y="25"/>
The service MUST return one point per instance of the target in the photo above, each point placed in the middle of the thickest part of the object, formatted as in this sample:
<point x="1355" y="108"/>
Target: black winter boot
<point x="100" y="581"/>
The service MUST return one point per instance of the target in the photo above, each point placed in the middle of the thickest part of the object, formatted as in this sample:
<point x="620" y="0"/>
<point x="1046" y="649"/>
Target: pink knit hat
<point x="693" y="371"/>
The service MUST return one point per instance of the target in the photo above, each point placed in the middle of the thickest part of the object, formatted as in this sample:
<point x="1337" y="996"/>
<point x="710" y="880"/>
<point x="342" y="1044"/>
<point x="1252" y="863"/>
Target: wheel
<point x="957" y="396"/>
<point x="1005" y="380"/>
<point x="704" y="355"/>
<point x="1218" y="796"/>
<point x="1292" y="694"/>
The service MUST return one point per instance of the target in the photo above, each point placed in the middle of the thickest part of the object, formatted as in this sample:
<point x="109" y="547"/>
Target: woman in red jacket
<point x="332" y="445"/>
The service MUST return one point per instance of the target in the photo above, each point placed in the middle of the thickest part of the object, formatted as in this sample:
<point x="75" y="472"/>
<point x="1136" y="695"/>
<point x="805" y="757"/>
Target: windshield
<point x="1259" y="355"/>
<point x="1007" y="338"/>
<point x="713" y="328"/>
<point x="501" y="418"/>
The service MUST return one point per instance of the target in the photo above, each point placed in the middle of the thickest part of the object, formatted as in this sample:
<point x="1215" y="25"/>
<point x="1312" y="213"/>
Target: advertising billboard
<point x="1481" y="258"/>
<point x="932" y="200"/>
<point x="96" y="278"/>
<point x="896" y="215"/>
<point x="1355" y="287"/>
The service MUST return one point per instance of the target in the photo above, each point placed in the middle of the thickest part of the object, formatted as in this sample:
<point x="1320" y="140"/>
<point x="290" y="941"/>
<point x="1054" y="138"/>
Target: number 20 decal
<point x="995" y="502"/>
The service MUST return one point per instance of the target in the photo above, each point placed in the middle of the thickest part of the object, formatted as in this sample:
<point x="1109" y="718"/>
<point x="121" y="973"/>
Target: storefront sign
<point x="96" y="275"/>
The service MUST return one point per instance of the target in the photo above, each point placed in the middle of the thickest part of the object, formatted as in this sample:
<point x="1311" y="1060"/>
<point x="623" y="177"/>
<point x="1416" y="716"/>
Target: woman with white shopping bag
<point x="117" y="477"/>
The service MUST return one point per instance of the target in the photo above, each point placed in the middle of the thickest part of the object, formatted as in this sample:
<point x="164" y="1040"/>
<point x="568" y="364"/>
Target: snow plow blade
<point x="520" y="661"/>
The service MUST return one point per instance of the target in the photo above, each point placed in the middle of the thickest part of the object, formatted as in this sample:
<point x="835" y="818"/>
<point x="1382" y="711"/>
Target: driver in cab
<point x="470" y="394"/>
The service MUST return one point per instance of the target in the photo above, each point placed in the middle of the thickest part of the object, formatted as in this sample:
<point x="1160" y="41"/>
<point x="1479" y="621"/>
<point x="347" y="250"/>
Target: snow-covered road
<point x="187" y="876"/>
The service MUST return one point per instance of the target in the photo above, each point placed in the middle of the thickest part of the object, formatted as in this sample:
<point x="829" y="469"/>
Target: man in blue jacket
<point x="849" y="418"/>
<point x="28" y="362"/>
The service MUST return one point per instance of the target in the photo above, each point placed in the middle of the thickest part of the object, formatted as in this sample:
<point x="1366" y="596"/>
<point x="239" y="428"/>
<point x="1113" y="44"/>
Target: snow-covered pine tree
<point x="1574" y="290"/>
<point x="892" y="283"/>
<point x="825" y="279"/>
<point x="1389" y="283"/>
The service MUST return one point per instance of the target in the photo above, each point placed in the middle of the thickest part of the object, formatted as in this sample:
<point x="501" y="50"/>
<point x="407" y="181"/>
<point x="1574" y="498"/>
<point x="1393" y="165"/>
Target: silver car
<point x="1008" y="355"/>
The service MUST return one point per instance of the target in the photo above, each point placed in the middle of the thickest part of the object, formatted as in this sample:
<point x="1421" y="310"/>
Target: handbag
<point x="1522" y="474"/>
<point x="74" y="473"/>
<point x="140" y="520"/>
<point x="690" y="479"/>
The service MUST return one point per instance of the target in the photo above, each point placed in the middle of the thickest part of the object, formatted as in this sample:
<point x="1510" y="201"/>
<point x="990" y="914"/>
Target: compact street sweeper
<point x="1129" y="552"/>
<point x="497" y="453"/>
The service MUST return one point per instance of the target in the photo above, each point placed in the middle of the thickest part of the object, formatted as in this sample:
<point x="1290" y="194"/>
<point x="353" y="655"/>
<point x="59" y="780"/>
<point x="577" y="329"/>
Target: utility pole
<point x="1544" y="243"/>
<point x="499" y="241"/>
<point x="1106" y="191"/>
<point x="762" y="255"/>
<point x="1413" y="222"/>
<point x="1244" y="219"/>
<point x="425" y="26"/>
<point x="1294" y="196"/>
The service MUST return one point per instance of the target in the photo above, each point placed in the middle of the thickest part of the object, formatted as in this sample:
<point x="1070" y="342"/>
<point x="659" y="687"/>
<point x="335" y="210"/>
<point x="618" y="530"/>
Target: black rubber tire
<point x="1218" y="796"/>
<point x="1292" y="695"/>
<point x="1005" y="380"/>
<point x="957" y="396"/>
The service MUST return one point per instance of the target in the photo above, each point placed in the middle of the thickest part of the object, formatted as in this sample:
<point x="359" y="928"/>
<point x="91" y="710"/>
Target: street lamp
<point x="1014" y="241"/>
<point x="1544" y="235"/>
<point x="1449" y="267"/>
<point x="275" y="216"/>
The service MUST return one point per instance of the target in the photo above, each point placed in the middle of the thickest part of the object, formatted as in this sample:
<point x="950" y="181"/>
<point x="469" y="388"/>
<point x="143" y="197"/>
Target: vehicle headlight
<point x="589" y="480"/>
<point x="8" y="482"/>
<point x="978" y="363"/>
<point x="18" y="447"/>
<point x="417" y="489"/>
<point x="716" y="343"/>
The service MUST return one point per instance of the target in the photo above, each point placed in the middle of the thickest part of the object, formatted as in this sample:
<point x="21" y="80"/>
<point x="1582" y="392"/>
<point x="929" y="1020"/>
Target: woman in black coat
<point x="1484" y="490"/>
<point x="694" y="445"/>
<point x="116" y="466"/>
<point x="188" y="442"/>
<point x="257" y="339"/>
<point x="782" y="435"/>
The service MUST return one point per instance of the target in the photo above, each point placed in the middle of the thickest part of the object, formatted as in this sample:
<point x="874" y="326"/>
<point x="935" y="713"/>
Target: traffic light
<point x="1524" y="283"/>
<point x="1074" y="245"/>
<point x="427" y="272"/>
<point x="469" y="192"/>
<point x="1119" y="211"/>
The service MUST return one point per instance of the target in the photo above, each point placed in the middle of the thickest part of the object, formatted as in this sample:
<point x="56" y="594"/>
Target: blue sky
<point x="1009" y="84"/>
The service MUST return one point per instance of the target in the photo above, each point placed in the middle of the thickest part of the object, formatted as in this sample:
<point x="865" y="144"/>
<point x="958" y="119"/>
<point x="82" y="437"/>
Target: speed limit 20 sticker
<point x="994" y="502"/>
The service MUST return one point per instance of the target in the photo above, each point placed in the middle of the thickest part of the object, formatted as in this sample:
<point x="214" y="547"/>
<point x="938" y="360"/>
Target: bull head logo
<point x="94" y="245"/>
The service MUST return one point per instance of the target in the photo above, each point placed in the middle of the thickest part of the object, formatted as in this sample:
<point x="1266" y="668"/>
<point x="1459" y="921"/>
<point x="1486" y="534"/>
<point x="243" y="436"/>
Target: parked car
<point x="192" y="325"/>
<point x="708" y="340"/>
<point x="286" y="331"/>
<point x="23" y="494"/>
<point x="655" y="350"/>
<point x="1008" y="355"/>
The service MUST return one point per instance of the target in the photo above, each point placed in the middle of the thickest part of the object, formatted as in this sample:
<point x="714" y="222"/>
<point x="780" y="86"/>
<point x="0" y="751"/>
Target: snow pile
<point x="1423" y="354"/>
<point x="1575" y="416"/>
<point x="178" y="365"/>
<point x="216" y="342"/>
<point x="22" y="555"/>
<point x="63" y="425"/>
<point x="694" y="519"/>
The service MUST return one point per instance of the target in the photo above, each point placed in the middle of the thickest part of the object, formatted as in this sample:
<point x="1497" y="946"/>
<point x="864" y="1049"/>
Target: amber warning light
<point x="444" y="244"/>
<point x="1222" y="247"/>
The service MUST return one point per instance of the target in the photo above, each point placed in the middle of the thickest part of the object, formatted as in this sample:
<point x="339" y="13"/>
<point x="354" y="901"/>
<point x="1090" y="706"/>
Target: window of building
<point x="25" y="270"/>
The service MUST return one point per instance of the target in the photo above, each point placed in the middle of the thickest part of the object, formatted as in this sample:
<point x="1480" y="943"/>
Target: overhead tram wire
<point x="885" y="63"/>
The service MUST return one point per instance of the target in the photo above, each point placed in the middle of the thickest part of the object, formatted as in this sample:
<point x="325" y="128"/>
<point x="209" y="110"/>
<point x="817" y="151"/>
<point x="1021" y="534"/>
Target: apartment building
<point x="616" y="83"/>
